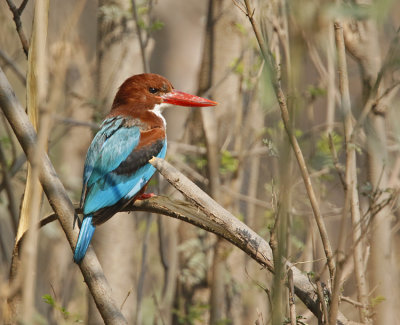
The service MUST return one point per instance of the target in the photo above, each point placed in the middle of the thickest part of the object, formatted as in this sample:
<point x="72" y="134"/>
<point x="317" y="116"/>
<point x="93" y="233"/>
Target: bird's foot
<point x="145" y="196"/>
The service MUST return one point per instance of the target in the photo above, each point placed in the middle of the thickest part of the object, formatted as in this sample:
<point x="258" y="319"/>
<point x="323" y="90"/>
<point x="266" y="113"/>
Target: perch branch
<point x="238" y="234"/>
<point x="209" y="215"/>
<point x="225" y="224"/>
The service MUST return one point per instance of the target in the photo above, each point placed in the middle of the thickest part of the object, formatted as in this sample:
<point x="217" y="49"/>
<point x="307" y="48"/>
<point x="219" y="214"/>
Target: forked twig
<point x="18" y="24"/>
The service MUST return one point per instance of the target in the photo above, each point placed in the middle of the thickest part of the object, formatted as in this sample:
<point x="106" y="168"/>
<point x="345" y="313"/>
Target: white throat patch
<point x="158" y="109"/>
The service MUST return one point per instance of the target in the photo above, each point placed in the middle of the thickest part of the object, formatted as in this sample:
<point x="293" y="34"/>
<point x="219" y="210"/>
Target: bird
<point x="117" y="168"/>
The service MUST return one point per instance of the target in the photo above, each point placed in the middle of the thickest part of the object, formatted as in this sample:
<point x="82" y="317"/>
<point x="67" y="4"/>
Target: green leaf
<point x="377" y="300"/>
<point x="48" y="299"/>
<point x="157" y="25"/>
<point x="238" y="66"/>
<point x="315" y="91"/>
<point x="228" y="162"/>
<point x="201" y="162"/>
<point x="323" y="157"/>
<point x="241" y="28"/>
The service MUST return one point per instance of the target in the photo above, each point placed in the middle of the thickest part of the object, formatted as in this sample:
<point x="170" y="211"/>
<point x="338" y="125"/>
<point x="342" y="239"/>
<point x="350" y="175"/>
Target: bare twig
<point x="321" y="297"/>
<point x="22" y="6"/>
<point x="9" y="62"/>
<point x="210" y="127"/>
<point x="351" y="170"/>
<point x="140" y="38"/>
<point x="353" y="302"/>
<point x="143" y="271"/>
<point x="374" y="79"/>
<point x="12" y="204"/>
<point x="17" y="19"/>
<point x="292" y="304"/>
<point x="364" y="43"/>
<point x="336" y="161"/>
<point x="340" y="262"/>
<point x="330" y="81"/>
<point x="293" y="140"/>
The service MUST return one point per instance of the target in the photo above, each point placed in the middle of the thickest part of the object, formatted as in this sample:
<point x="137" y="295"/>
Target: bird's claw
<point x="145" y="196"/>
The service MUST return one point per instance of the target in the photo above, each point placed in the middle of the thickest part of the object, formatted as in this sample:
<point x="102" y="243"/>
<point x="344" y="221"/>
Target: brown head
<point x="142" y="90"/>
<point x="148" y="89"/>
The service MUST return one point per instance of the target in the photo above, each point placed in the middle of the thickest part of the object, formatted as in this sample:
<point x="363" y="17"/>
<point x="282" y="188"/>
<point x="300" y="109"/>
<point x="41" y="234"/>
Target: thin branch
<point x="321" y="297"/>
<point x="9" y="62"/>
<point x="22" y="6"/>
<point x="372" y="101"/>
<point x="292" y="303"/>
<point x="139" y="34"/>
<point x="17" y="19"/>
<point x="273" y="69"/>
<point x="336" y="161"/>
<point x="351" y="172"/>
<point x="12" y="206"/>
<point x="353" y="302"/>
<point x="143" y="271"/>
<point x="58" y="199"/>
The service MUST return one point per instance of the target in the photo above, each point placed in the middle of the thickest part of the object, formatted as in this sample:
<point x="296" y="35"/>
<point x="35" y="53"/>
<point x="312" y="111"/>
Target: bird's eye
<point x="153" y="90"/>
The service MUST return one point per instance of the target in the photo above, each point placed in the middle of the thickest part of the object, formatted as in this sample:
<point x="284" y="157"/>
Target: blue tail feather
<point x="85" y="236"/>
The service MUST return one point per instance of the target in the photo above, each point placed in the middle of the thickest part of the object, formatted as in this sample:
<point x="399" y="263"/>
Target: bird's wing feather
<point x="121" y="168"/>
<point x="111" y="145"/>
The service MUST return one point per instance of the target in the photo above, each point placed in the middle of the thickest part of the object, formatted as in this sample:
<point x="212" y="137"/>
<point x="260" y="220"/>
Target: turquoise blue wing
<point x="117" y="167"/>
<point x="116" y="187"/>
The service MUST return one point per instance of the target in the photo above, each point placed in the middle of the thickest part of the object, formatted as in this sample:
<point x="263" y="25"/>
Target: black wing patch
<point x="138" y="158"/>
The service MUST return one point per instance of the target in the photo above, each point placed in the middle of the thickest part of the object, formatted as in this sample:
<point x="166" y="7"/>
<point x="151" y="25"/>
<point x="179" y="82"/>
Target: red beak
<point x="183" y="99"/>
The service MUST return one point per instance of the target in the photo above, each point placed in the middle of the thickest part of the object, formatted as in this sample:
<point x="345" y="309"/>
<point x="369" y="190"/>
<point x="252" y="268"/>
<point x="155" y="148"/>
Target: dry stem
<point x="351" y="171"/>
<point x="293" y="140"/>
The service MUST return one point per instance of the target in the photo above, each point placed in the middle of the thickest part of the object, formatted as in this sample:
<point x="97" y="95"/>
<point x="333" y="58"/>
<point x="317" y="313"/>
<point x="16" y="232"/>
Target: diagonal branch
<point x="218" y="220"/>
<point x="203" y="214"/>
<point x="58" y="199"/>
<point x="209" y="215"/>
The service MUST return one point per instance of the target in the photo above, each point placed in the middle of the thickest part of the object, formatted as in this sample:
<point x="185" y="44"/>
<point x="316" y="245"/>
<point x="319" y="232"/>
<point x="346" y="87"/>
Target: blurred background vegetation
<point x="164" y="271"/>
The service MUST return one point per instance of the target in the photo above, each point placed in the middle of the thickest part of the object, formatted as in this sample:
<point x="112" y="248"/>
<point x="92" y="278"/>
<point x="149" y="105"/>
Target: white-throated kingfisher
<point x="117" y="167"/>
